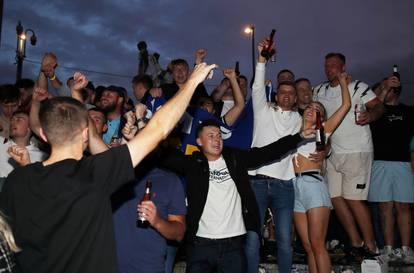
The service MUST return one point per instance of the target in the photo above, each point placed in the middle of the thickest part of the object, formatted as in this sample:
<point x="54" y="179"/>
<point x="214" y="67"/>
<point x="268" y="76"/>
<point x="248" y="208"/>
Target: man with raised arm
<point x="59" y="209"/>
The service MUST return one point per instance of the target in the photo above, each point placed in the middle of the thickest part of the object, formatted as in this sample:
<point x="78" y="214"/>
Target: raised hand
<point x="229" y="73"/>
<point x="80" y="81"/>
<point x="49" y="64"/>
<point x="39" y="94"/>
<point x="201" y="53"/>
<point x="201" y="72"/>
<point x="344" y="78"/>
<point x="19" y="154"/>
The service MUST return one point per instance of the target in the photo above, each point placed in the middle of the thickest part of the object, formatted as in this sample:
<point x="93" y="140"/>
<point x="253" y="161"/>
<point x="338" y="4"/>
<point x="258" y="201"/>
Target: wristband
<point x="53" y="78"/>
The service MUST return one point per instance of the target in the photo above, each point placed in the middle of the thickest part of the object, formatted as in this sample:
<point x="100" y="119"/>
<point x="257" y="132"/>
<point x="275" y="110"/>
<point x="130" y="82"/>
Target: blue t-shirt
<point x="139" y="249"/>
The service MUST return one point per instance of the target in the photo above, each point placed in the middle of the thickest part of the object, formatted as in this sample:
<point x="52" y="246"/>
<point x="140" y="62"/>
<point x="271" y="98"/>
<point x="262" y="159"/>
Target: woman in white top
<point x="312" y="200"/>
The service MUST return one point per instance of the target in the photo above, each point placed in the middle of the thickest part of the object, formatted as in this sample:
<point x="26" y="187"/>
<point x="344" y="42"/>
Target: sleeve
<point x="112" y="168"/>
<point x="177" y="202"/>
<point x="256" y="157"/>
<point x="366" y="94"/>
<point x="63" y="91"/>
<point x="173" y="160"/>
<point x="6" y="197"/>
<point x="259" y="89"/>
<point x="412" y="144"/>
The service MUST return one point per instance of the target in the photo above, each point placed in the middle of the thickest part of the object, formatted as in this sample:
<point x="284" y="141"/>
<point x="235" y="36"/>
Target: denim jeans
<point x="221" y="256"/>
<point x="280" y="197"/>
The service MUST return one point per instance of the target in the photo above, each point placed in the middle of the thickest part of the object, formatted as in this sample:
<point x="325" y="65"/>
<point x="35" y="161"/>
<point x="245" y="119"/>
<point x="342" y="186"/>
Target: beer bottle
<point x="267" y="52"/>
<point x="237" y="69"/>
<point x="396" y="74"/>
<point x="320" y="133"/>
<point x="141" y="221"/>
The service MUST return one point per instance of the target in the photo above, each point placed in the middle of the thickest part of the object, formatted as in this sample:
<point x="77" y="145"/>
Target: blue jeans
<point x="221" y="255"/>
<point x="280" y="197"/>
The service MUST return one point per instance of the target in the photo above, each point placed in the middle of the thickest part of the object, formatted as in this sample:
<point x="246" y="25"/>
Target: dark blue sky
<point x="102" y="35"/>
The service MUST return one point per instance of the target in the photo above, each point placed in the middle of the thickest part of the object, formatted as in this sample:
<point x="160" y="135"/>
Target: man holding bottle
<point x="349" y="165"/>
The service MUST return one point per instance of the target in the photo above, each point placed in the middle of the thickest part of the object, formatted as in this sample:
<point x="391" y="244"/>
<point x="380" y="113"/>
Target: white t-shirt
<point x="7" y="164"/>
<point x="271" y="124"/>
<point x="348" y="137"/>
<point x="222" y="215"/>
<point x="227" y="105"/>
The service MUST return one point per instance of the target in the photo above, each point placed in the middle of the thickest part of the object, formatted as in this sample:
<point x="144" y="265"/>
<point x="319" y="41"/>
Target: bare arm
<point x="333" y="122"/>
<point x="233" y="114"/>
<point x="39" y="94"/>
<point x="219" y="92"/>
<point x="166" y="117"/>
<point x="173" y="228"/>
<point x="80" y="82"/>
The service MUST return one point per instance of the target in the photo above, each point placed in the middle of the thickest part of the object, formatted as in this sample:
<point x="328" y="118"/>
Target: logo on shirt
<point x="219" y="176"/>
<point x="394" y="117"/>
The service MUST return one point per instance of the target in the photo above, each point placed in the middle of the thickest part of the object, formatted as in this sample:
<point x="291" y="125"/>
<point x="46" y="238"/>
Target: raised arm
<point x="39" y="94"/>
<point x="333" y="122"/>
<point x="233" y="114"/>
<point x="166" y="117"/>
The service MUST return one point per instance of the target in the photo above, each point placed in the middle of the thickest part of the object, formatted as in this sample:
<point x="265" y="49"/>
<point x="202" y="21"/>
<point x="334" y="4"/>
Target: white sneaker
<point x="387" y="253"/>
<point x="408" y="255"/>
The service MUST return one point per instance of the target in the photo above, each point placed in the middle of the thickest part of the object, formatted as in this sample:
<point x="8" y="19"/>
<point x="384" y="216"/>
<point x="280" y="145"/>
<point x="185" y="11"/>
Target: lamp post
<point x="21" y="47"/>
<point x="250" y="30"/>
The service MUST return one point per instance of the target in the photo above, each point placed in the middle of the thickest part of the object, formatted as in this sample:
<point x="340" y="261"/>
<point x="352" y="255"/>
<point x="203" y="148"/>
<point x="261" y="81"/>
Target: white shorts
<point x="348" y="175"/>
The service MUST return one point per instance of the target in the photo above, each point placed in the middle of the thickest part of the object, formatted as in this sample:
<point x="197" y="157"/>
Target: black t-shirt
<point x="61" y="213"/>
<point x="392" y="133"/>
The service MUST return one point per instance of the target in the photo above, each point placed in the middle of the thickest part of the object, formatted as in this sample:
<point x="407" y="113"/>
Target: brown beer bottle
<point x="267" y="52"/>
<point x="237" y="69"/>
<point x="320" y="133"/>
<point x="141" y="221"/>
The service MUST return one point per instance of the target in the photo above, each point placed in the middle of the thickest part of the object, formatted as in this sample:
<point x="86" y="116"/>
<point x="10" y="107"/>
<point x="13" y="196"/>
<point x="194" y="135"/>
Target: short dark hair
<point x="145" y="80"/>
<point x="20" y="111"/>
<point x="96" y="109"/>
<point x="179" y="62"/>
<point x="285" y="71"/>
<point x="25" y="83"/>
<point x="302" y="80"/>
<point x="9" y="93"/>
<point x="206" y="123"/>
<point x="62" y="119"/>
<point x="292" y="84"/>
<point x="243" y="77"/>
<point x="338" y="55"/>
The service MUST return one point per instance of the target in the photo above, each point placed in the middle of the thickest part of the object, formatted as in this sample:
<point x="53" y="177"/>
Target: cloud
<point x="102" y="35"/>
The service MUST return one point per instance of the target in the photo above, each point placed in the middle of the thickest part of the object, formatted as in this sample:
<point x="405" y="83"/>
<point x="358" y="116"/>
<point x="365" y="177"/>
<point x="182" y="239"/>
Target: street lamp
<point x="21" y="47"/>
<point x="250" y="30"/>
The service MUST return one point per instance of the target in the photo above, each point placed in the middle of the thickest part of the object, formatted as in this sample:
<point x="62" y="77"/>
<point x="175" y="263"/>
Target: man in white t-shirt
<point x="349" y="166"/>
<point x="221" y="204"/>
<point x="272" y="183"/>
<point x="19" y="140"/>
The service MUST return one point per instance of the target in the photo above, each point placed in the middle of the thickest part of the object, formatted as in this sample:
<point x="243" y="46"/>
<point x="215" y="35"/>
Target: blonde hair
<point x="6" y="233"/>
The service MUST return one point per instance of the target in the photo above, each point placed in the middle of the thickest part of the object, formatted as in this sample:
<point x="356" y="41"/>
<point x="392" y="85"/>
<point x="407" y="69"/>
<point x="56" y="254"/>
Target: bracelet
<point x="53" y="78"/>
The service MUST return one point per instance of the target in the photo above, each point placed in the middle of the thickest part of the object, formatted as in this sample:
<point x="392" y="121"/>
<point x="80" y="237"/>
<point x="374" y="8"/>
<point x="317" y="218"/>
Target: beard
<point x="110" y="107"/>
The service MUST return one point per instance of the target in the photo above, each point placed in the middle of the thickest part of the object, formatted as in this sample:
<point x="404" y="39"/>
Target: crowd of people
<point x="75" y="163"/>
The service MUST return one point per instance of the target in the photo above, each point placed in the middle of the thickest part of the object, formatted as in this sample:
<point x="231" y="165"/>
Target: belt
<point x="314" y="174"/>
<point x="228" y="239"/>
<point x="261" y="176"/>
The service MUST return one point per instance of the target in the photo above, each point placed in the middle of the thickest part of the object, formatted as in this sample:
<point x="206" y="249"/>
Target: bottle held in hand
<point x="141" y="221"/>
<point x="320" y="133"/>
<point x="359" y="108"/>
<point x="395" y="73"/>
<point x="267" y="51"/>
